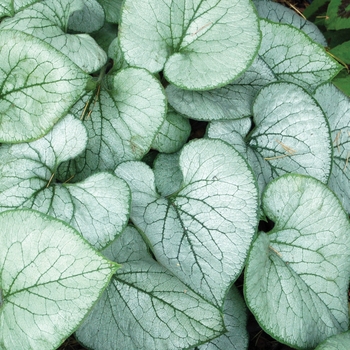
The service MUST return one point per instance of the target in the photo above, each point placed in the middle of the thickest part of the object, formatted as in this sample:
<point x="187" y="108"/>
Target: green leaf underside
<point x="336" y="342"/>
<point x="276" y="12"/>
<point x="125" y="119"/>
<point x="201" y="233"/>
<point x="337" y="108"/>
<point x="296" y="277"/>
<point x="291" y="135"/>
<point x="145" y="306"/>
<point x="98" y="207"/>
<point x="235" y="317"/>
<point x="50" y="278"/>
<point x="294" y="57"/>
<point x="338" y="15"/>
<point x="37" y="86"/>
<point x="48" y="21"/>
<point x="229" y="102"/>
<point x="197" y="43"/>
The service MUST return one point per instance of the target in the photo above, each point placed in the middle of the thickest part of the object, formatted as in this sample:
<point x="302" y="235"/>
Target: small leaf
<point x="337" y="108"/>
<point x="297" y="275"/>
<point x="338" y="15"/>
<point x="201" y="232"/>
<point x="173" y="133"/>
<point x="279" y="13"/>
<point x="294" y="57"/>
<point x="50" y="278"/>
<point x="145" y="306"/>
<point x="98" y="206"/>
<point x="38" y="86"/>
<point x="194" y="42"/>
<point x="126" y="114"/>
<point x="229" y="102"/>
<point x="48" y="21"/>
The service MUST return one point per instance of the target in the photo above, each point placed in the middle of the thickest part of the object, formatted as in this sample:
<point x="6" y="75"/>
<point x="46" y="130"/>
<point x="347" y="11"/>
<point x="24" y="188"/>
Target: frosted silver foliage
<point x="201" y="232"/>
<point x="145" y="306"/>
<point x="97" y="207"/>
<point x="297" y="275"/>
<point x="194" y="42"/>
<point x="49" y="279"/>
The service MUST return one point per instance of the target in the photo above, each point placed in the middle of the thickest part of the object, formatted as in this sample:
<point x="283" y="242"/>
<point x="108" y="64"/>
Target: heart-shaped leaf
<point x="337" y="108"/>
<point x="297" y="275"/>
<point x="34" y="95"/>
<point x="145" y="306"/>
<point x="49" y="21"/>
<point x="294" y="57"/>
<point x="125" y="116"/>
<point x="49" y="279"/>
<point x="202" y="231"/>
<point x="195" y="42"/>
<point x="98" y="206"/>
<point x="229" y="102"/>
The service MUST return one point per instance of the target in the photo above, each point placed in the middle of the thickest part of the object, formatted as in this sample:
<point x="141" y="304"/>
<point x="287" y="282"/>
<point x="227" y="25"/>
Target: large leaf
<point x="197" y="43"/>
<point x="145" y="306"/>
<point x="38" y="86"/>
<point x="49" y="21"/>
<point x="297" y="275"/>
<point x="202" y="231"/>
<point x="337" y="108"/>
<point x="232" y="101"/>
<point x="294" y="57"/>
<point x="49" y="279"/>
<point x="98" y="207"/>
<point x="125" y="116"/>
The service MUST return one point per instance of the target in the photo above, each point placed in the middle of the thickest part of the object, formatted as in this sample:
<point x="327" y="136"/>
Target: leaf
<point x="98" y="206"/>
<point x="194" y="42"/>
<point x="88" y="19"/>
<point x="126" y="114"/>
<point x="38" y="86"/>
<point x="337" y="108"/>
<point x="49" y="21"/>
<point x="342" y="82"/>
<point x="50" y="278"/>
<point x="281" y="14"/>
<point x="297" y="275"/>
<point x="157" y="310"/>
<point x="8" y="8"/>
<point x="338" y="15"/>
<point x="235" y="317"/>
<point x="173" y="133"/>
<point x="112" y="9"/>
<point x="202" y="231"/>
<point x="229" y="102"/>
<point x="336" y="342"/>
<point x="294" y="57"/>
<point x="342" y="52"/>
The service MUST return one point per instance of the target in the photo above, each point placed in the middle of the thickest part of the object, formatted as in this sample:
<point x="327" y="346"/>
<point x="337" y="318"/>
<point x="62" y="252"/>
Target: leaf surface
<point x="336" y="342"/>
<point x="49" y="279"/>
<point x="38" y="85"/>
<point x="202" y="231"/>
<point x="297" y="275"/>
<point x="145" y="306"/>
<point x="98" y="206"/>
<point x="194" y="42"/>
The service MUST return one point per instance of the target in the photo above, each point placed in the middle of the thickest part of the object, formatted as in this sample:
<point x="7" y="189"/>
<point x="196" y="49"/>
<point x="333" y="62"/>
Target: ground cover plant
<point x="121" y="226"/>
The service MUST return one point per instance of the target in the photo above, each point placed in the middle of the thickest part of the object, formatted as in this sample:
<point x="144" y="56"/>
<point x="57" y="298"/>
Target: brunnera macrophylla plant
<point x="119" y="227"/>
